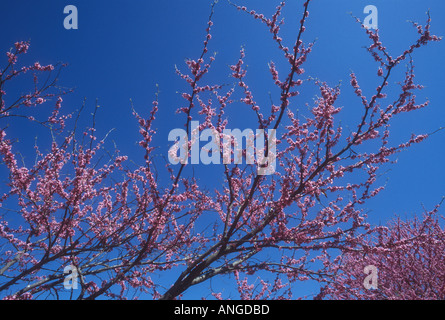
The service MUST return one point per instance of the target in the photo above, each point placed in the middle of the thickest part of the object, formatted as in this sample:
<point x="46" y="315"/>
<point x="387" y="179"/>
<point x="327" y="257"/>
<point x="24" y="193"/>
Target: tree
<point x="408" y="257"/>
<point x="116" y="225"/>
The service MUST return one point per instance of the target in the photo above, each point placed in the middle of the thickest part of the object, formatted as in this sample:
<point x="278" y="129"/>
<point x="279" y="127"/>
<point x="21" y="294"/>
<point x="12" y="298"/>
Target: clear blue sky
<point x="122" y="49"/>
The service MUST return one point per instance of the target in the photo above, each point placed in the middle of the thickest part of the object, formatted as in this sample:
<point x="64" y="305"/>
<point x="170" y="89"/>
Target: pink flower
<point x="22" y="47"/>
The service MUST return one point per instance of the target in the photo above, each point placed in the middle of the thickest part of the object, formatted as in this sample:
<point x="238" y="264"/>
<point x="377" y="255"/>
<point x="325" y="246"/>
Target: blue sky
<point x="122" y="49"/>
